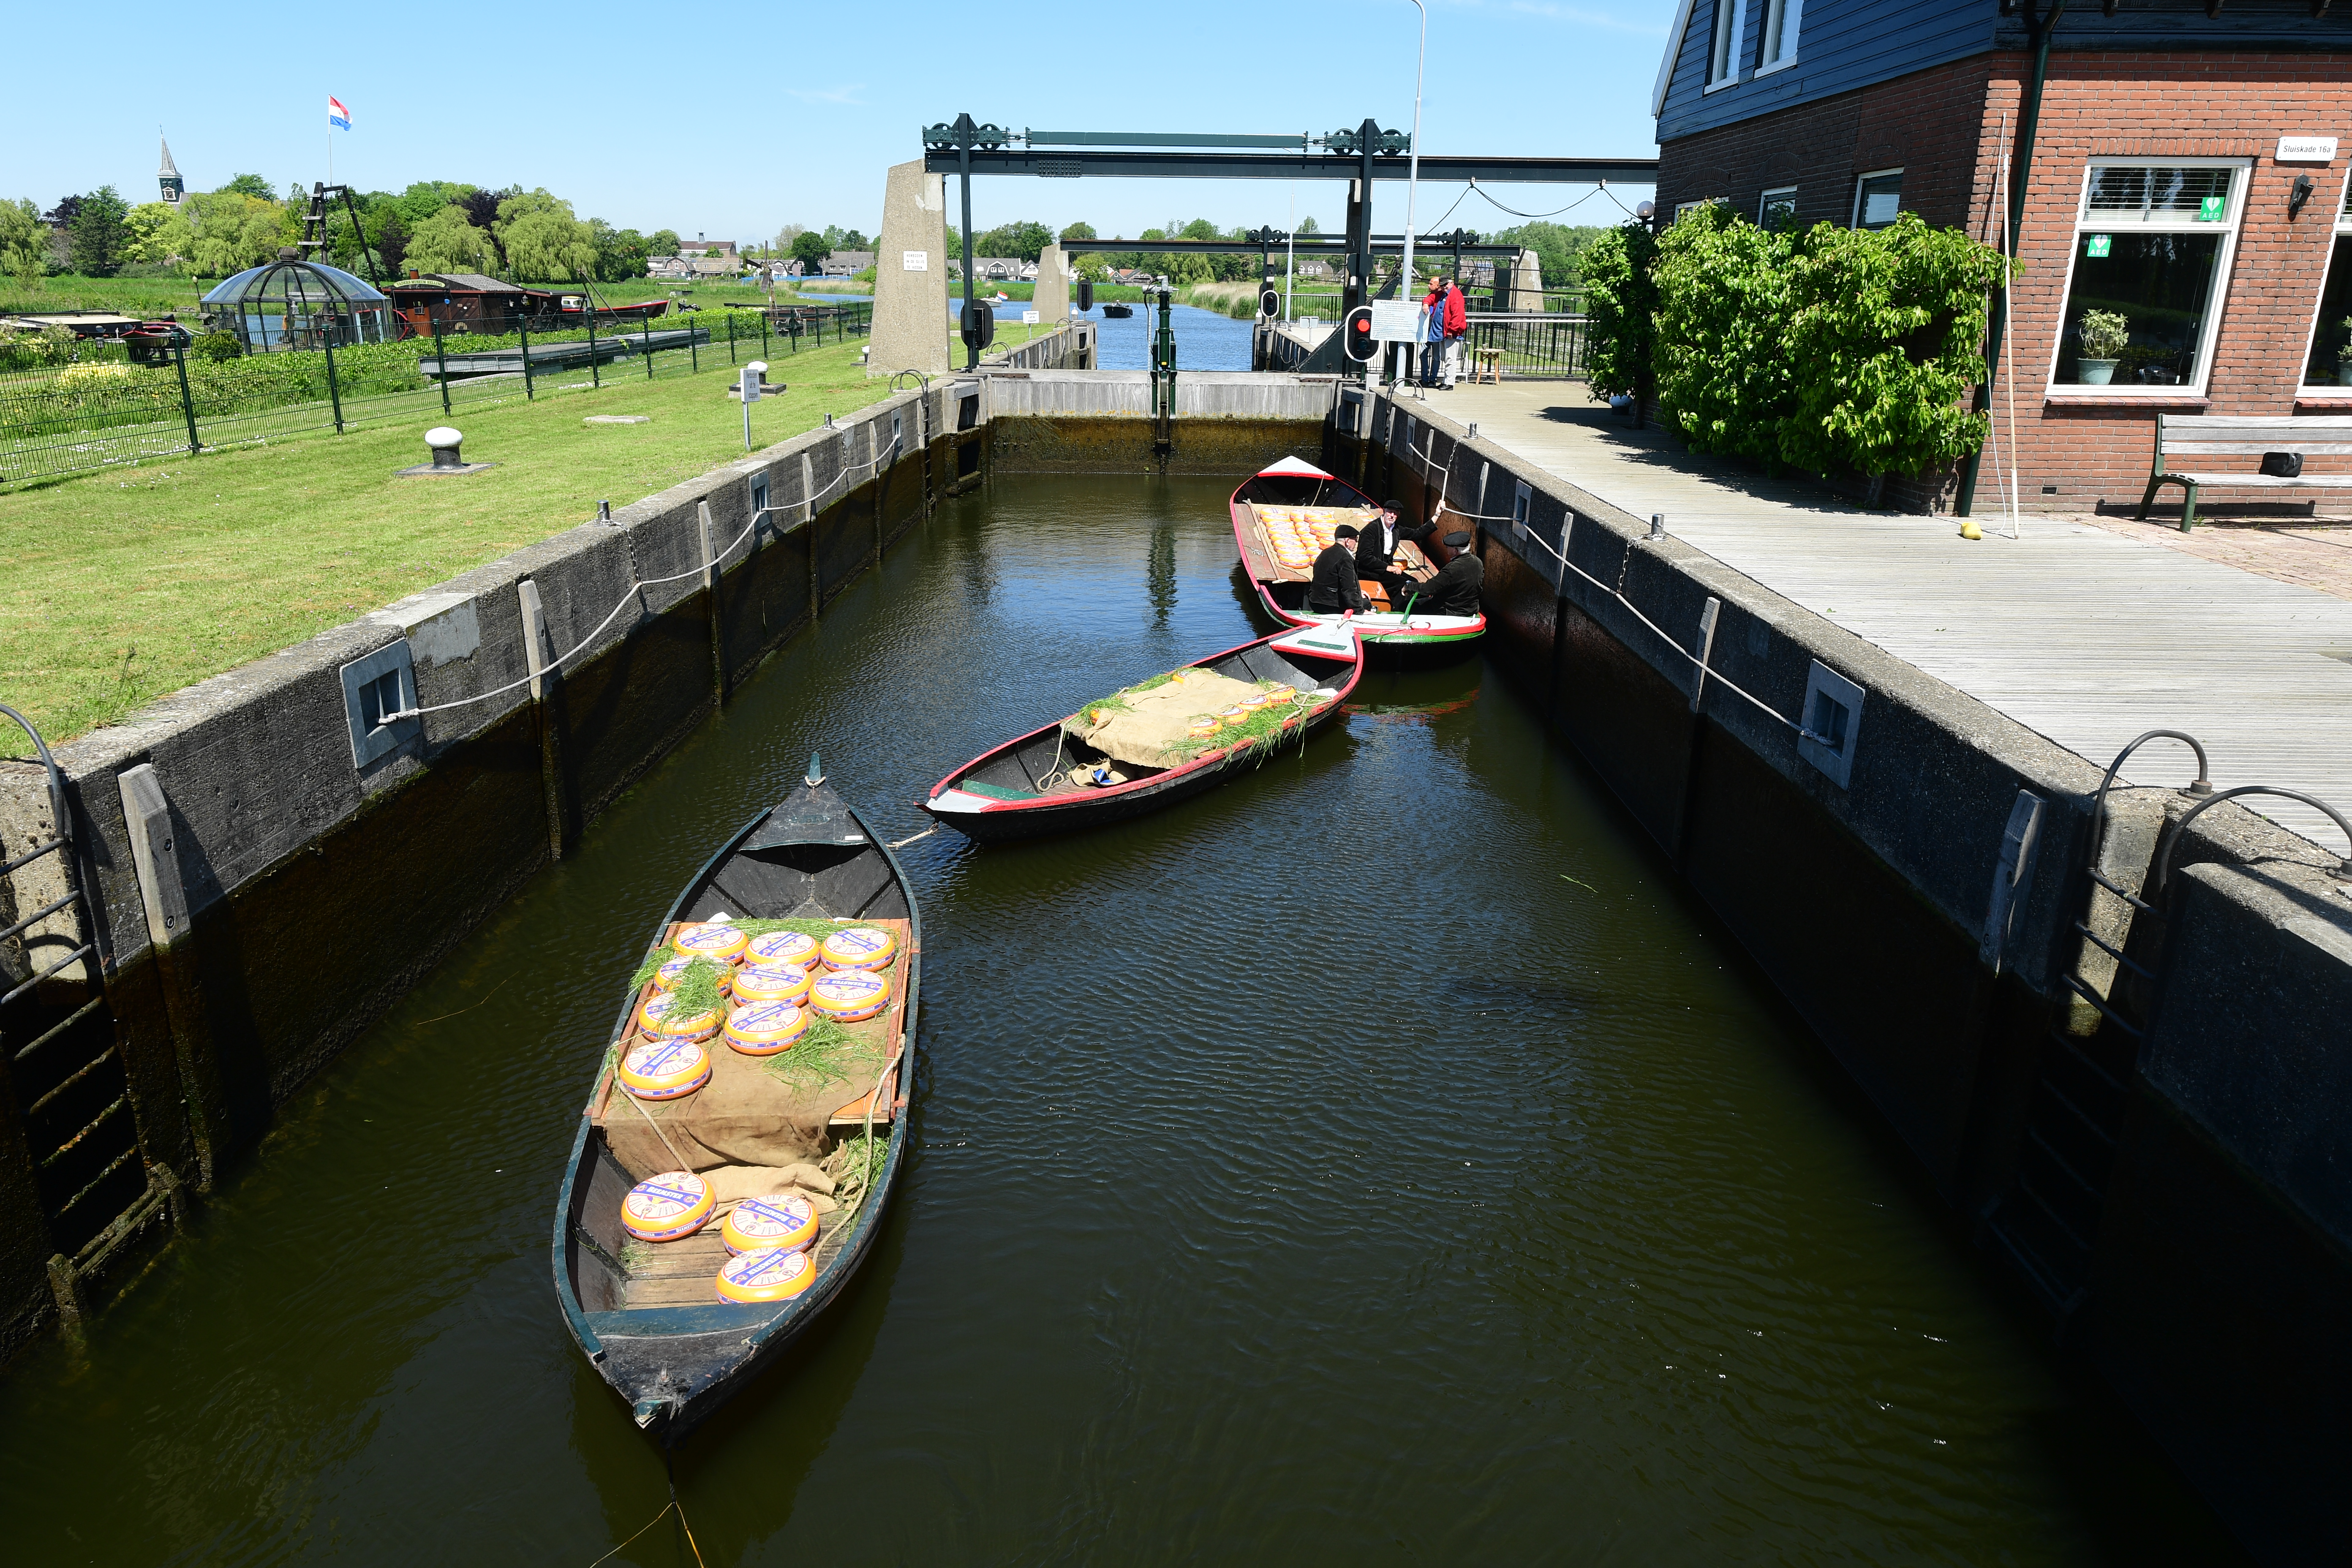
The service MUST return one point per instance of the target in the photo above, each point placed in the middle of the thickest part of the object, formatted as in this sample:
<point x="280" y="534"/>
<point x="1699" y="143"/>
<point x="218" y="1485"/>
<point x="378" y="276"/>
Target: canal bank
<point x="2130" y="1083"/>
<point x="1479" y="1197"/>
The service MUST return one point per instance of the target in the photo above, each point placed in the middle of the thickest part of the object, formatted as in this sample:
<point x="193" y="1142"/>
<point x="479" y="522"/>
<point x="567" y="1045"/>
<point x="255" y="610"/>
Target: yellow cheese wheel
<point x="860" y="947"/>
<point x="668" y="1207"/>
<point x="1202" y="729"/>
<point x="669" y="975"/>
<point x="664" y="1070"/>
<point x="793" y="947"/>
<point x="770" y="982"/>
<point x="1280" y="695"/>
<point x="847" y="996"/>
<point x="771" y="1274"/>
<point x="663" y="1018"/>
<point x="787" y="1221"/>
<point x="764" y="1028"/>
<point x="1232" y="715"/>
<point x="712" y="939"/>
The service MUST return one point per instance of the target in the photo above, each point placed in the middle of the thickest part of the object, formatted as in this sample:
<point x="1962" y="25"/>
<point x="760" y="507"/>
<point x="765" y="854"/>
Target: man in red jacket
<point x="1458" y="327"/>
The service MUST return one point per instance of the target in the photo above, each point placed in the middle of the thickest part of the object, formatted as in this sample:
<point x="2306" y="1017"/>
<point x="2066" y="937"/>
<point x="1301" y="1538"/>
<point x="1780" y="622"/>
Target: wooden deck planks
<point x="2085" y="635"/>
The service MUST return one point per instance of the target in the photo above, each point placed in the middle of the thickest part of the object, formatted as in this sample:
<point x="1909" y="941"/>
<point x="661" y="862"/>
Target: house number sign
<point x="2307" y="149"/>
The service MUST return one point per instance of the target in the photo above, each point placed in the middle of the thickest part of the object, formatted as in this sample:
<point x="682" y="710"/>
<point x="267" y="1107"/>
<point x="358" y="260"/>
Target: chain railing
<point x="100" y="409"/>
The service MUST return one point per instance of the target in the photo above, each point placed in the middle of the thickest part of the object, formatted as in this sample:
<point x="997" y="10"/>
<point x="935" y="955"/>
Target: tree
<point x="1558" y="249"/>
<point x="100" y="232"/>
<point x="1080" y="230"/>
<point x="156" y="234"/>
<point x="787" y="235"/>
<point x="851" y="240"/>
<point x="1723" y="364"/>
<point x="542" y="240"/>
<point x="810" y="251"/>
<point x="24" y="243"/>
<point x="252" y="185"/>
<point x="621" y="253"/>
<point x="1024" y="240"/>
<point x="391" y="241"/>
<point x="447" y="242"/>
<point x="231" y="231"/>
<point x="1309" y="226"/>
<point x="1621" y="299"/>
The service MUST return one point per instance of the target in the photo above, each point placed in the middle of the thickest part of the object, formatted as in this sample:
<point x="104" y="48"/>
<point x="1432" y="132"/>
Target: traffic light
<point x="979" y="325"/>
<point x="1269" y="301"/>
<point x="1085" y="294"/>
<point x="1357" y="340"/>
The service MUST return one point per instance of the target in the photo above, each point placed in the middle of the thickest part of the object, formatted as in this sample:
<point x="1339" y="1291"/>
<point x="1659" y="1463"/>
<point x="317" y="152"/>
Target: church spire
<point x="168" y="176"/>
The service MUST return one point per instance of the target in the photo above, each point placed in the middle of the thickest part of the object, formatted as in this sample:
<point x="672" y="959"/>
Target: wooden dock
<point x="2086" y="636"/>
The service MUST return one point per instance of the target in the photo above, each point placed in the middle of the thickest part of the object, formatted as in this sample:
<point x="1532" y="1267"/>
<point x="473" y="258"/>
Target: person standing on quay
<point x="1457" y="327"/>
<point x="1432" y="333"/>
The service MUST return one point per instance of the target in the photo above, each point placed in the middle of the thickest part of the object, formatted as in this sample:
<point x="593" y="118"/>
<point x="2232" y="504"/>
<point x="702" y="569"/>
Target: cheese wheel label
<point x="759" y="1224"/>
<point x="664" y="1058"/>
<point x="850" y="994"/>
<point x="776" y="947"/>
<point x="859" y="947"/>
<point x="710" y="940"/>
<point x="771" y="1274"/>
<point x="663" y="1198"/>
<point x="770" y="982"/>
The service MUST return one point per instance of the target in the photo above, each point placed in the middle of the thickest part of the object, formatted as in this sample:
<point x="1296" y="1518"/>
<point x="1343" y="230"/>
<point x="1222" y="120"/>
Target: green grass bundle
<point x="827" y="1053"/>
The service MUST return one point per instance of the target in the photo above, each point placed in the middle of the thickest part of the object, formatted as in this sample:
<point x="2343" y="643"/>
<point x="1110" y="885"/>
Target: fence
<point x="1525" y="345"/>
<point x="100" y="409"/>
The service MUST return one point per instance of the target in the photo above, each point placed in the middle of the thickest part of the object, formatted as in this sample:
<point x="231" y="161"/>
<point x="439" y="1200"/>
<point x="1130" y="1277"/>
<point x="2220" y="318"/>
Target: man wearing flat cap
<point x="1335" y="590"/>
<point x="1375" y="552"/>
<point x="1454" y="590"/>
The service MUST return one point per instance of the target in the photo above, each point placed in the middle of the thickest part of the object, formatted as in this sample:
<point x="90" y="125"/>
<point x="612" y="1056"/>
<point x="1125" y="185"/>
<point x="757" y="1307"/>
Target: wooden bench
<point x="2217" y="435"/>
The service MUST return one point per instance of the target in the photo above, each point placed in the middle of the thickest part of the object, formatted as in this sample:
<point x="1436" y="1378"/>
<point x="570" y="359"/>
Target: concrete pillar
<point x="910" y="275"/>
<point x="1053" y="297"/>
<point x="163" y="893"/>
<point x="1527" y="284"/>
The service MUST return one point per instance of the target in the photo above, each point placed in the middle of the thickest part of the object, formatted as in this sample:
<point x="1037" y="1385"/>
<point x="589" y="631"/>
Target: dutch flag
<point x="338" y="116"/>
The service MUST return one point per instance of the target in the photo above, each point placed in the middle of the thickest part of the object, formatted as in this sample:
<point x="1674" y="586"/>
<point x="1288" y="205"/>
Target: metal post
<point x="693" y="353"/>
<point x="645" y="343"/>
<point x="440" y="352"/>
<point x="965" y="131"/>
<point x="763" y="335"/>
<point x="594" y="379"/>
<point x="334" y="391"/>
<point x="523" y="326"/>
<point x="1707" y="619"/>
<point x="187" y="401"/>
<point x="730" y="337"/>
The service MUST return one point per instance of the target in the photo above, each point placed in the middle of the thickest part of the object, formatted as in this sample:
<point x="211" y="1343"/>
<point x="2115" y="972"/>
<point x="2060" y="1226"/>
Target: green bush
<point x="1723" y="312"/>
<point x="1622" y="302"/>
<point x="1882" y="345"/>
<point x="217" y="346"/>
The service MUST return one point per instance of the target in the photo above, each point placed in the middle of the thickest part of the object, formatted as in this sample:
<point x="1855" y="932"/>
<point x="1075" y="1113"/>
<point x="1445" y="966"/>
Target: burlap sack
<point x="1151" y="731"/>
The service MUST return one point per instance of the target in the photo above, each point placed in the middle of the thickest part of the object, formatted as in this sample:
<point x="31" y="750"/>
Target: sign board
<point x="2212" y="209"/>
<point x="1396" y="320"/>
<point x="2097" y="244"/>
<point x="1028" y="318"/>
<point x="2307" y="149"/>
<point x="916" y="261"/>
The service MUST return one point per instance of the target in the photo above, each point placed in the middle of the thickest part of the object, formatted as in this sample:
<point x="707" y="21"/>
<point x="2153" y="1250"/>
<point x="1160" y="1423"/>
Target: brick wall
<point x="1946" y="127"/>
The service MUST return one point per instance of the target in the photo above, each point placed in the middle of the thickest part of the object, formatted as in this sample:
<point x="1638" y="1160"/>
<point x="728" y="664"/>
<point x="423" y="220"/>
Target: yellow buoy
<point x="770" y="982"/>
<point x="668" y="1207"/>
<point x="712" y="939"/>
<point x="793" y="947"/>
<point x="664" y="1070"/>
<point x="786" y="1222"/>
<point x="766" y="1027"/>
<point x="663" y="1017"/>
<point x="849" y="996"/>
<point x="860" y="947"/>
<point x="771" y="1274"/>
<point x="669" y="974"/>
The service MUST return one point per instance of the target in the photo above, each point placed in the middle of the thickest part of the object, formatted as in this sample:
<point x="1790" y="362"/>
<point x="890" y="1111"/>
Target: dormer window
<point x="1723" y="52"/>
<point x="1780" y="20"/>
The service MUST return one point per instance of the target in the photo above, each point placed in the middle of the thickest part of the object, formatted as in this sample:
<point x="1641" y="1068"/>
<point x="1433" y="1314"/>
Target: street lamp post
<point x="1412" y="172"/>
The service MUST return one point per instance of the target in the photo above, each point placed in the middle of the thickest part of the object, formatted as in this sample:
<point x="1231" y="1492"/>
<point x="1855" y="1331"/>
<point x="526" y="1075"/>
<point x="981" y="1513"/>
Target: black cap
<point x="1345" y="530"/>
<point x="1456" y="540"/>
<point x="1393" y="504"/>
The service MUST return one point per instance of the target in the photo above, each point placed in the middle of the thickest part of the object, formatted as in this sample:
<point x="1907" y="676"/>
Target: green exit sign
<point x="2097" y="244"/>
<point x="2212" y="209"/>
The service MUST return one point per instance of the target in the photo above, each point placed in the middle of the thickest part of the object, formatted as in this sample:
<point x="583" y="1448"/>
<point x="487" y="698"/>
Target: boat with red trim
<point x="1285" y="514"/>
<point x="1055" y="779"/>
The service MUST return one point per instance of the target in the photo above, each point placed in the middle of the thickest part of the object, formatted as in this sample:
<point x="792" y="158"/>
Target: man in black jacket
<point x="1335" y="589"/>
<point x="1376" y="552"/>
<point x="1454" y="590"/>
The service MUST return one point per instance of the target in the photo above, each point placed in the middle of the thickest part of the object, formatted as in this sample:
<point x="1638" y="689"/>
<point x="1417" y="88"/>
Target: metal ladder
<point x="71" y="1097"/>
<point x="2048" y="1221"/>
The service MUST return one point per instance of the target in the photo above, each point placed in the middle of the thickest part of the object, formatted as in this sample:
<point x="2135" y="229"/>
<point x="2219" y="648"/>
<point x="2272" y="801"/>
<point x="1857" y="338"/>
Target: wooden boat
<point x="1118" y="310"/>
<point x="1295" y="494"/>
<point x="648" y="1315"/>
<point x="1036" y="784"/>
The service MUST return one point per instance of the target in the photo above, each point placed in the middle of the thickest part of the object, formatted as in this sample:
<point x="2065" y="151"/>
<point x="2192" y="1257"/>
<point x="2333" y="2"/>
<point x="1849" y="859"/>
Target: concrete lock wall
<point x="1098" y="421"/>
<point x="2223" y="1260"/>
<point x="244" y="819"/>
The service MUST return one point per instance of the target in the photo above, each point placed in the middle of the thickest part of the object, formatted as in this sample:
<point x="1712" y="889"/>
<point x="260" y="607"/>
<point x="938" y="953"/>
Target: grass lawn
<point x="126" y="585"/>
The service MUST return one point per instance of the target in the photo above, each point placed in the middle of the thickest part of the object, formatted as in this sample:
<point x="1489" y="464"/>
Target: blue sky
<point x="774" y="114"/>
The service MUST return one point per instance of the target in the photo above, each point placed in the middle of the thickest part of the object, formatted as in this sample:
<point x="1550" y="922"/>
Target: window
<point x="1780" y="18"/>
<point x="1777" y="208"/>
<point x="2330" y="364"/>
<point x="1684" y="209"/>
<point x="2152" y="248"/>
<point x="1723" y="52"/>
<point x="1877" y="197"/>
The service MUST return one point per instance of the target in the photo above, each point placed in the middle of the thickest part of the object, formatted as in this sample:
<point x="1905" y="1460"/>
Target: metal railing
<point x="98" y="409"/>
<point x="1525" y="345"/>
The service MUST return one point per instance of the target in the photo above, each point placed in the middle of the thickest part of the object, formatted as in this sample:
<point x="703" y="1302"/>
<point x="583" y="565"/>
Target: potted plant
<point x="2102" y="335"/>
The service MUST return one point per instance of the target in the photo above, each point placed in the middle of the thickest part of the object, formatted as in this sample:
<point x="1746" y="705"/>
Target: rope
<point x="637" y="584"/>
<point x="926" y="833"/>
<point x="656" y="1519"/>
<point x="1719" y="678"/>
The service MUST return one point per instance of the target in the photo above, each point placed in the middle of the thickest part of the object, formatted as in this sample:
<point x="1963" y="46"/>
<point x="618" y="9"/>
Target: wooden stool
<point x="1490" y="366"/>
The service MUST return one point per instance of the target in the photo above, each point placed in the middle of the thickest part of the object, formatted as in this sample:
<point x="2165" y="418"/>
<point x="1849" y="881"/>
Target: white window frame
<point x="1764" y="202"/>
<point x="1684" y="209"/>
<point x="2306" y="389"/>
<point x="1864" y="179"/>
<point x="2225" y="261"/>
<point x="1782" y="18"/>
<point x="1726" y="31"/>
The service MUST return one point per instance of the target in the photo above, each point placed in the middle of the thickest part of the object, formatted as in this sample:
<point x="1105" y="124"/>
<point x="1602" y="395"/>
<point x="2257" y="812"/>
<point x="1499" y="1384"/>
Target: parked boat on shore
<point x="1156" y="741"/>
<point x="1283" y="514"/>
<point x="734" y="1163"/>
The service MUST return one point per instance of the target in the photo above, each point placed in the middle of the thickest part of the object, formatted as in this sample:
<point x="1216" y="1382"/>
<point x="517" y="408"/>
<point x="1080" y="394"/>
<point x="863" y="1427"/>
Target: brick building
<point x="2185" y="176"/>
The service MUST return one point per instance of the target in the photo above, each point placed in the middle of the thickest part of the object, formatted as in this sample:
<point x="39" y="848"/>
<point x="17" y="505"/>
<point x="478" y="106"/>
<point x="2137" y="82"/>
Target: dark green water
<point x="1314" y="1172"/>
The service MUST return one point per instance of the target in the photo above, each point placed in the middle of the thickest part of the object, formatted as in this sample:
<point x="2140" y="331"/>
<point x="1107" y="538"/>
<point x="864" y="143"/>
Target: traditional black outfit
<point x="1335" y="588"/>
<point x="1454" y="590"/>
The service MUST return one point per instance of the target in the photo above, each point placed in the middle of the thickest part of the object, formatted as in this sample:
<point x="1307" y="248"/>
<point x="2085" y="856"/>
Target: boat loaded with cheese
<point x="738" y="1149"/>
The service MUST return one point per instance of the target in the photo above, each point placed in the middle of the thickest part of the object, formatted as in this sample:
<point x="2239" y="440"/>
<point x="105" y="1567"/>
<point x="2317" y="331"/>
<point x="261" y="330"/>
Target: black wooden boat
<point x="1118" y="310"/>
<point x="1035" y="784"/>
<point x="655" y="1326"/>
